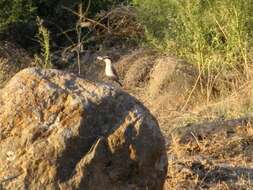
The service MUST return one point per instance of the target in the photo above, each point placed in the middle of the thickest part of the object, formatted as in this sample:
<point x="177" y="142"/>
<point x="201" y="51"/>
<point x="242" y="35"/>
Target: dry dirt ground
<point x="209" y="144"/>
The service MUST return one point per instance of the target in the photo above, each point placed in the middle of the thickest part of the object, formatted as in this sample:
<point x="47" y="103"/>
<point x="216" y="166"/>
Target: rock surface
<point x="58" y="131"/>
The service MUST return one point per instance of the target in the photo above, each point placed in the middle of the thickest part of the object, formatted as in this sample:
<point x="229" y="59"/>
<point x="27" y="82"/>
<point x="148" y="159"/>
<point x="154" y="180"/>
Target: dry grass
<point x="219" y="161"/>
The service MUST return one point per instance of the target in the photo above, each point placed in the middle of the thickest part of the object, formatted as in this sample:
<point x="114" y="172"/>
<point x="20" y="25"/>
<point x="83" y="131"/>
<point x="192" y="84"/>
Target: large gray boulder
<point x="58" y="131"/>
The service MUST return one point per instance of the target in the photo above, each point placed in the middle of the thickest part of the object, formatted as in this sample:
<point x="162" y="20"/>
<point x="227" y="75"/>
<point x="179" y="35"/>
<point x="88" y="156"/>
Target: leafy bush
<point x="214" y="35"/>
<point x="19" y="16"/>
<point x="15" y="11"/>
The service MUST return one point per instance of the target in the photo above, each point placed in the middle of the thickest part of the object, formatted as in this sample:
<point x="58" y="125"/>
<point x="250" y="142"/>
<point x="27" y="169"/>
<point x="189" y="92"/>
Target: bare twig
<point x="9" y="178"/>
<point x="70" y="10"/>
<point x="88" y="7"/>
<point x="190" y="95"/>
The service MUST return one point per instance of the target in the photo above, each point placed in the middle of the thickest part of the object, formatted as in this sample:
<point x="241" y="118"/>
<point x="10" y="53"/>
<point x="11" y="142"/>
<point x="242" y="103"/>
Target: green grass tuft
<point x="44" y="41"/>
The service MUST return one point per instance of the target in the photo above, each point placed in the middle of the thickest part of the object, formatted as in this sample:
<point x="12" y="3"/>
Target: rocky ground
<point x="209" y="142"/>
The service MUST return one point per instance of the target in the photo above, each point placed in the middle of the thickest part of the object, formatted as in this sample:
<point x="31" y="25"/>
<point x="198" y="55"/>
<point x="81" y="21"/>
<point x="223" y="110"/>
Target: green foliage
<point x="18" y="17"/>
<point x="15" y="11"/>
<point x="214" y="35"/>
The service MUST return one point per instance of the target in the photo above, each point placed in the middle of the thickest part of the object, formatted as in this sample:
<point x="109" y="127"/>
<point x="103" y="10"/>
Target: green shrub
<point x="214" y="35"/>
<point x="19" y="16"/>
<point x="15" y="11"/>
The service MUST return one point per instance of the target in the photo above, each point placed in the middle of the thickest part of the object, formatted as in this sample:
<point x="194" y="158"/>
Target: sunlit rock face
<point x="58" y="131"/>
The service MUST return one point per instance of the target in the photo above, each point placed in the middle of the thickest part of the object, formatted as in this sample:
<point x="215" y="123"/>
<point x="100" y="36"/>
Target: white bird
<point x="110" y="71"/>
